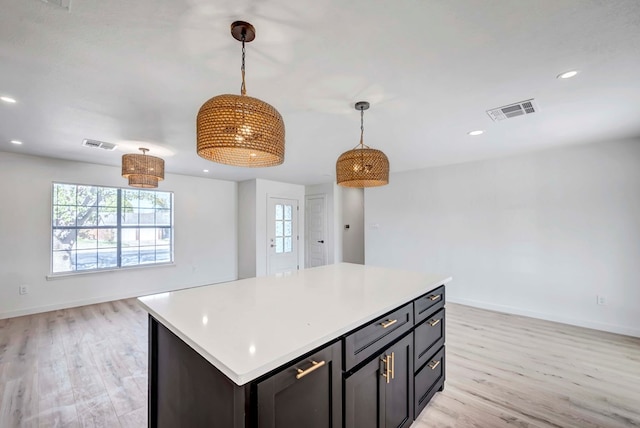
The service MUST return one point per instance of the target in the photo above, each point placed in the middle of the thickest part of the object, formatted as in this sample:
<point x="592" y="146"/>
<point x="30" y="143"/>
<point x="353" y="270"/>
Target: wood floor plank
<point x="49" y="336"/>
<point x="19" y="339"/>
<point x="134" y="359"/>
<point x="19" y="397"/>
<point x="84" y="374"/>
<point x="58" y="410"/>
<point x="134" y="419"/>
<point x="123" y="391"/>
<point x="97" y="412"/>
<point x="53" y="377"/>
<point x="462" y="410"/>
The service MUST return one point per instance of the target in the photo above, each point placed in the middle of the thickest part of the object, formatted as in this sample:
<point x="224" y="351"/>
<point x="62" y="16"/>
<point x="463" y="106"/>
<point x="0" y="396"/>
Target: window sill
<point x="66" y="275"/>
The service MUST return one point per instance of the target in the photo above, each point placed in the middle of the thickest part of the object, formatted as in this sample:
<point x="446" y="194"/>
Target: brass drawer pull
<point x="303" y="373"/>
<point x="388" y="323"/>
<point x="434" y="364"/>
<point x="434" y="297"/>
<point x="434" y="323"/>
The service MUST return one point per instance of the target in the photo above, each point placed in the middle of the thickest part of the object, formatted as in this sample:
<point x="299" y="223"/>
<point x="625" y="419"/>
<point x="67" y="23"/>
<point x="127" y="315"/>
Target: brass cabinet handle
<point x="434" y="297"/>
<point x="315" y="366"/>
<point x="434" y="364"/>
<point x="387" y="323"/>
<point x="389" y="366"/>
<point x="434" y="323"/>
<point x="393" y="365"/>
<point x="386" y="373"/>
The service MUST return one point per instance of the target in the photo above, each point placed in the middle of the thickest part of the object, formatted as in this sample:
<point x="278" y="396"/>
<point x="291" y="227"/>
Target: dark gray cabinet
<point x="305" y="394"/>
<point x="380" y="393"/>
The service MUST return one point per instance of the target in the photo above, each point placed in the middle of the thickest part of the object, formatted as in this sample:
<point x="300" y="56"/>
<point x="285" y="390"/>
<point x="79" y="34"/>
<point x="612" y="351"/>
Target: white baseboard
<point x="95" y="300"/>
<point x="627" y="331"/>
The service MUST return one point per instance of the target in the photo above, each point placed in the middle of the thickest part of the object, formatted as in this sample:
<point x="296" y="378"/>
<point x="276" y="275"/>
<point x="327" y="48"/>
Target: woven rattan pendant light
<point x="362" y="166"/>
<point x="237" y="129"/>
<point x="142" y="170"/>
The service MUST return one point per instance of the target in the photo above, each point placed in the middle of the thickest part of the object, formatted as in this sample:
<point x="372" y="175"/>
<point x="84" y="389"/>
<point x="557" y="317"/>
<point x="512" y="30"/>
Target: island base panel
<point x="185" y="389"/>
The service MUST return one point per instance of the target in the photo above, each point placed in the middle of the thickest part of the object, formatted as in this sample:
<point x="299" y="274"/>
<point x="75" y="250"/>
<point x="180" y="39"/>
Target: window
<point x="97" y="228"/>
<point x="284" y="229"/>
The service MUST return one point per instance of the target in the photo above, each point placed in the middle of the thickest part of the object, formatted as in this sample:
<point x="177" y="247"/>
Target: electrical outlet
<point x="23" y="289"/>
<point x="601" y="300"/>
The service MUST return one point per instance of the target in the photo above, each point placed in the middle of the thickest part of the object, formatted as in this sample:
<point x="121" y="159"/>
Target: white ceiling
<point x="130" y="71"/>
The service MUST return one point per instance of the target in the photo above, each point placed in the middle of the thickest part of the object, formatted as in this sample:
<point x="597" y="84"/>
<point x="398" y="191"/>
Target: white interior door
<point x="282" y="234"/>
<point x="316" y="223"/>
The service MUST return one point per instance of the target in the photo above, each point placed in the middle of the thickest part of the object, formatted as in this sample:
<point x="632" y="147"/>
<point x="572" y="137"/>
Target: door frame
<point x="327" y="239"/>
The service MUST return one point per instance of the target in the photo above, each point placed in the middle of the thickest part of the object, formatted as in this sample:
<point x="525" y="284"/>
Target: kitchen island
<point x="338" y="345"/>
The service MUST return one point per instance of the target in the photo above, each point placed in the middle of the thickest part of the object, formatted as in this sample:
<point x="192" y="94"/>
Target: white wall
<point x="204" y="244"/>
<point x="247" y="229"/>
<point x="353" y="247"/>
<point x="539" y="235"/>
<point x="334" y="218"/>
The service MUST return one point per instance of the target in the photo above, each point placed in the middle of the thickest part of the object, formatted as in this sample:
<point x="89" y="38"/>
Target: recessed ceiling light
<point x="8" y="100"/>
<point x="205" y="170"/>
<point x="478" y="132"/>
<point x="567" y="74"/>
<point x="16" y="142"/>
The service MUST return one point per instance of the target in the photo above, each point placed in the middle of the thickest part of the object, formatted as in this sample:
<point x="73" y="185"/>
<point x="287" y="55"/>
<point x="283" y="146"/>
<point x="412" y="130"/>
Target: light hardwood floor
<point x="506" y="370"/>
<point x="85" y="366"/>
<point x="88" y="367"/>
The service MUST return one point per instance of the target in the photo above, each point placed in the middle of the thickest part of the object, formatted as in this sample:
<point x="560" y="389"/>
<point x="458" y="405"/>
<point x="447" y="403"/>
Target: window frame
<point x="119" y="226"/>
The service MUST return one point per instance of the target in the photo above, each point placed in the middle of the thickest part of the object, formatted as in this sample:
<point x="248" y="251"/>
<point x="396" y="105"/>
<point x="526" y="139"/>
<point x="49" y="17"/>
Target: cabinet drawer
<point x="365" y="342"/>
<point x="428" y="337"/>
<point x="429" y="380"/>
<point x="428" y="304"/>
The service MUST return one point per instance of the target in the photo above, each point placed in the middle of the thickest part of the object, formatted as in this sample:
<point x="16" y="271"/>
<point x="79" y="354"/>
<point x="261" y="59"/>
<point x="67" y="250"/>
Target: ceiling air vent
<point x="65" y="4"/>
<point x="513" y="110"/>
<point x="99" y="145"/>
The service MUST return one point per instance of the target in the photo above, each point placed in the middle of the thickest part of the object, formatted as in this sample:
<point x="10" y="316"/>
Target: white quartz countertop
<point x="247" y="328"/>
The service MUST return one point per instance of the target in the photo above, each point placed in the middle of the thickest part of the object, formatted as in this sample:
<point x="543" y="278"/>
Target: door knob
<point x="321" y="242"/>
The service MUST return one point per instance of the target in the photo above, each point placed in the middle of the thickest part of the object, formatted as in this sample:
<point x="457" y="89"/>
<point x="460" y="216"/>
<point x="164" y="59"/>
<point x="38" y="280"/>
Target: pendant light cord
<point x="362" y="127"/>
<point x="361" y="145"/>
<point x="243" y="88"/>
